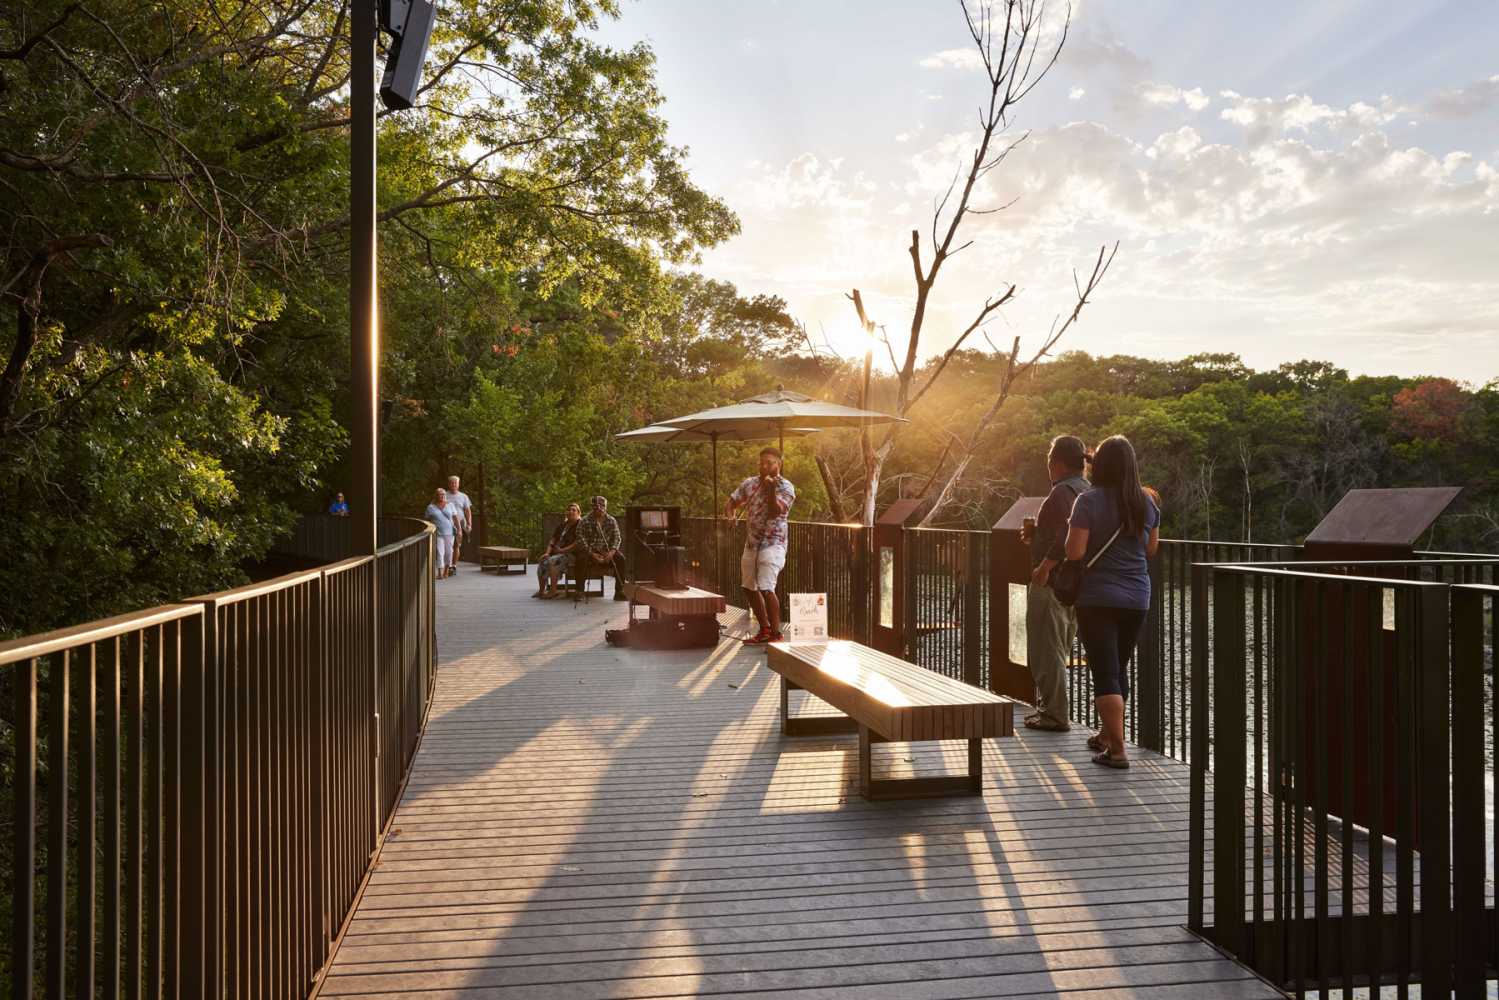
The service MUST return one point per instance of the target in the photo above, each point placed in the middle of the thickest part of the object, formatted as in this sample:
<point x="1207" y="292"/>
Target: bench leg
<point x="871" y="788"/>
<point x="823" y="725"/>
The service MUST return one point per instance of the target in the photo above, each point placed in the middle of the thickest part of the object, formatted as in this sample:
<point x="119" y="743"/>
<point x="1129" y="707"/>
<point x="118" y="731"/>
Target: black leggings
<point x="1109" y="636"/>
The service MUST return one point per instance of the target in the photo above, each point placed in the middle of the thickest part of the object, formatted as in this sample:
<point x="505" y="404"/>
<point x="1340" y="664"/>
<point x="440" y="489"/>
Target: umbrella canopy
<point x="667" y="434"/>
<point x="782" y="414"/>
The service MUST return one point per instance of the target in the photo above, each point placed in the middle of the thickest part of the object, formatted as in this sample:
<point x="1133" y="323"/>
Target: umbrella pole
<point x="717" y="576"/>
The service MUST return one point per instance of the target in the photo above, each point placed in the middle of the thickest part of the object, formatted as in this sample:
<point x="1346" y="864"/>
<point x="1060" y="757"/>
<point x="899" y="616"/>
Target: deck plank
<point x="584" y="821"/>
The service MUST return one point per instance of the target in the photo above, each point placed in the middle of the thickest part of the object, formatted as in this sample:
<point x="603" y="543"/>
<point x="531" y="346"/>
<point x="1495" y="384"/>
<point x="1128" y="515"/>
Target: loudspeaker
<point x="671" y="566"/>
<point x="410" y="27"/>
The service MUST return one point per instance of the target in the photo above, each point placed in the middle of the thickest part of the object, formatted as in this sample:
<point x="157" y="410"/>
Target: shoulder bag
<point x="1067" y="579"/>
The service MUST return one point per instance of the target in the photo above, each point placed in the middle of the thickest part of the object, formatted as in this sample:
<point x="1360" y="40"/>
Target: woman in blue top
<point x="1115" y="595"/>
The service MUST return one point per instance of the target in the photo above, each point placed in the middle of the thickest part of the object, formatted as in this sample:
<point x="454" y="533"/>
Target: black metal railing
<point x="947" y="602"/>
<point x="197" y="790"/>
<point x="1339" y="733"/>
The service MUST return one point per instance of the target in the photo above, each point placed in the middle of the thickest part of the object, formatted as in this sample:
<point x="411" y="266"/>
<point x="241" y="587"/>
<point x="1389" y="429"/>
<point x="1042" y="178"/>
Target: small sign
<point x="809" y="618"/>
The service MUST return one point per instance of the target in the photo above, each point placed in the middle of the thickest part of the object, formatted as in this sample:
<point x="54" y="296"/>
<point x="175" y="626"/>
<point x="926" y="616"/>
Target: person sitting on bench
<point x="599" y="538"/>
<point x="558" y="558"/>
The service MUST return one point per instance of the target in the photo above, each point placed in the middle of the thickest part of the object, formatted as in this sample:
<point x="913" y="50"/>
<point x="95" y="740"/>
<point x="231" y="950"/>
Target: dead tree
<point x="1017" y="52"/>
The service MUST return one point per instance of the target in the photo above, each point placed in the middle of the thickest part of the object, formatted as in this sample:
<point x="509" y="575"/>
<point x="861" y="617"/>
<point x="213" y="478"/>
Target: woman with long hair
<point x="1115" y="526"/>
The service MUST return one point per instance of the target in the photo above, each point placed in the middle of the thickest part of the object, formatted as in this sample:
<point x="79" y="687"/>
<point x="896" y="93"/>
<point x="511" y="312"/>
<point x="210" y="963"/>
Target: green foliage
<point x="173" y="271"/>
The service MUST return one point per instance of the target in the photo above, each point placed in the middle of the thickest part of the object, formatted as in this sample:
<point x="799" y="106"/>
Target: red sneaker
<point x="775" y="637"/>
<point x="760" y="638"/>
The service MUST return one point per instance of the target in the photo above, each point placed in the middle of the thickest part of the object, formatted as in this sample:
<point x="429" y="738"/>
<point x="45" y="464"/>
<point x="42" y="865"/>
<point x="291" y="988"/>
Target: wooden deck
<point x="590" y="822"/>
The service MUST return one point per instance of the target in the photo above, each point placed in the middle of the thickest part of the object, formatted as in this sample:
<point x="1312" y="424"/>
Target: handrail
<point x="46" y="643"/>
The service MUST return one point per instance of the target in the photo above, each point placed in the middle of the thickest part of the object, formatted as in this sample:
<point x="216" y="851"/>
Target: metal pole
<point x="717" y="577"/>
<point x="364" y="341"/>
<point x="364" y="333"/>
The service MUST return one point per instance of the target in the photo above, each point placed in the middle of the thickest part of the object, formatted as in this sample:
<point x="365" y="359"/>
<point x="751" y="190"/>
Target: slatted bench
<point x="497" y="557"/>
<point x="887" y="700"/>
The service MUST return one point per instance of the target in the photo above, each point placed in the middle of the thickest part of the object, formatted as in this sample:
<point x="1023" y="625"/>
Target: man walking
<point x="767" y="498"/>
<point x="1050" y="626"/>
<point x="465" y="522"/>
<point x="599" y="539"/>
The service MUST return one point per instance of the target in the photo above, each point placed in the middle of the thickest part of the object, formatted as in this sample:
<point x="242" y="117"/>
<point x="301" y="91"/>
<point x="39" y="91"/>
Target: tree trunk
<point x="835" y="501"/>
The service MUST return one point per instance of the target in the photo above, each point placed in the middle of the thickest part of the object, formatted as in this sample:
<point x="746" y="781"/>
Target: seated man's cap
<point x="598" y="500"/>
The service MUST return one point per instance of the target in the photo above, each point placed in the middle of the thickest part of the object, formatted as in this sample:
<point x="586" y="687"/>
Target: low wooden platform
<point x="678" y="601"/>
<point x="585" y="822"/>
<point x="498" y="557"/>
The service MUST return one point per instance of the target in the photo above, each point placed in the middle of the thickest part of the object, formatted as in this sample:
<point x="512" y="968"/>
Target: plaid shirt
<point x="599" y="537"/>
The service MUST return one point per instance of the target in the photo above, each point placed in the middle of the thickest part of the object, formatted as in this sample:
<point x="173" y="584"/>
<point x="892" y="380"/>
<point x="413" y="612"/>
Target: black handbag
<point x="1067" y="578"/>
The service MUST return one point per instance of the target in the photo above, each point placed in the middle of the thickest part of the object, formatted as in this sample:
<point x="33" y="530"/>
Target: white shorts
<point x="758" y="568"/>
<point x="444" y="551"/>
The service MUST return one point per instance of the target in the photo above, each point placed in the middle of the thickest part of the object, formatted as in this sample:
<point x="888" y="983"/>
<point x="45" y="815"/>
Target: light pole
<point x="364" y="331"/>
<point x="409" y="24"/>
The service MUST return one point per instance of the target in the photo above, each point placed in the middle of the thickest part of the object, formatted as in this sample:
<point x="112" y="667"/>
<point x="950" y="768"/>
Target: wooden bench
<point x="887" y="700"/>
<point x="680" y="617"/>
<point x="497" y="557"/>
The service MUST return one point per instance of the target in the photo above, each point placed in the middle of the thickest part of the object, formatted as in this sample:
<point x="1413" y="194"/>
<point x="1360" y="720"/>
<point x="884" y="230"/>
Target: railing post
<point x="974" y="574"/>
<point x="1435" y="792"/>
<point x="193" y="881"/>
<point x="1149" y="672"/>
<point x="1228" y="759"/>
<point x="1198" y="758"/>
<point x="1468" y="759"/>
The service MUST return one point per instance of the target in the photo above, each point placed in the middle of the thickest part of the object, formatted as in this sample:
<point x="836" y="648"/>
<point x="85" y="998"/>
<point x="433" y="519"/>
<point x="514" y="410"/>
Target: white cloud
<point x="1466" y="102"/>
<point x="1264" y="118"/>
<point x="1164" y="94"/>
<point x="964" y="59"/>
<point x="1076" y="94"/>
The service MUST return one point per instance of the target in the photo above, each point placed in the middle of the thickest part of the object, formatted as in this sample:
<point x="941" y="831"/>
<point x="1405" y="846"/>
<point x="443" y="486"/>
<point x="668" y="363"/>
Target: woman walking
<point x="1114" y="526"/>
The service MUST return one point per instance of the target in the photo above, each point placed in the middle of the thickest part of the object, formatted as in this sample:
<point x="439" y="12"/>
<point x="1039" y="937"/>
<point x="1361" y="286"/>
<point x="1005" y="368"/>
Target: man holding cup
<point x="766" y="498"/>
<point x="1050" y="626"/>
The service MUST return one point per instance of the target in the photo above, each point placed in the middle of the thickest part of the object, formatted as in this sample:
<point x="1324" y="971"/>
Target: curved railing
<point x="198" y="790"/>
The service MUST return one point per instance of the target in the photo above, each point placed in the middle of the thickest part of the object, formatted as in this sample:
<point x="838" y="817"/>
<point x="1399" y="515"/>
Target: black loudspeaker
<point x="671" y="566"/>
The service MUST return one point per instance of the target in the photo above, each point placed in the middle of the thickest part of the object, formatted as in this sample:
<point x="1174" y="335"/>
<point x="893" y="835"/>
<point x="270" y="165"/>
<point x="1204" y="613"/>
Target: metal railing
<point x="198" y="789"/>
<point x="1343" y="750"/>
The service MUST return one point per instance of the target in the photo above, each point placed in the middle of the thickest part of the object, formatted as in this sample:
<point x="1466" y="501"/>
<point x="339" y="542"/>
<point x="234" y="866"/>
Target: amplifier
<point x="671" y="566"/>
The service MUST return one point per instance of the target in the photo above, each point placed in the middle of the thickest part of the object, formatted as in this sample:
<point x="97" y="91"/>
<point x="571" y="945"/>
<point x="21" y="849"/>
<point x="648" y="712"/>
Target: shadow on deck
<point x="590" y="822"/>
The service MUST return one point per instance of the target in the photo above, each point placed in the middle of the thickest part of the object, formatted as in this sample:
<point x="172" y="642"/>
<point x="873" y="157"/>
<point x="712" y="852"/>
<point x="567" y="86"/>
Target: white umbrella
<point x="780" y="410"/>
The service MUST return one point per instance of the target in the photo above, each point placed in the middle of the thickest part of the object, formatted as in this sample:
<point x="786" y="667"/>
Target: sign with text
<point x="809" y="617"/>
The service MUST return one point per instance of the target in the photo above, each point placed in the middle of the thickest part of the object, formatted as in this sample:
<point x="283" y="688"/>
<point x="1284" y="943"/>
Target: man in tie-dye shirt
<point x="767" y="499"/>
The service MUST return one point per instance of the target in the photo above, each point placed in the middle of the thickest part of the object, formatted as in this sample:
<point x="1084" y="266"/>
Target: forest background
<point x="174" y="317"/>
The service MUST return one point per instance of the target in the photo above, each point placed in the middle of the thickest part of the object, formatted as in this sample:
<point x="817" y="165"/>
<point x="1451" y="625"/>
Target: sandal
<point x="1046" y="724"/>
<point x="1107" y="759"/>
<point x="1096" y="743"/>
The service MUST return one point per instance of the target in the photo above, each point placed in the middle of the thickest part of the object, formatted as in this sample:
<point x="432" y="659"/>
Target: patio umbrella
<point x="667" y="434"/>
<point x="780" y="410"/>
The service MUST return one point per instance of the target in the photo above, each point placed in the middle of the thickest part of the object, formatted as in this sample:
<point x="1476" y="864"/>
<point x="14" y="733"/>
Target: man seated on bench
<point x="558" y="557"/>
<point x="599" y="539"/>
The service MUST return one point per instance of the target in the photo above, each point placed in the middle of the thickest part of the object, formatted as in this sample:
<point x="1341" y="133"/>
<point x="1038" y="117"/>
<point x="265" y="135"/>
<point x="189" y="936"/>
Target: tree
<point x="1016" y="56"/>
<point x="173" y="193"/>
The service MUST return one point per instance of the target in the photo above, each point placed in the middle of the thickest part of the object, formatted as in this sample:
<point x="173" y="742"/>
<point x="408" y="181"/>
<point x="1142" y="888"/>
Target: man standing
<point x="465" y="523"/>
<point x="1050" y="626"/>
<point x="440" y="513"/>
<point x="599" y="539"/>
<point x="339" y="507"/>
<point x="768" y="498"/>
<point x="558" y="558"/>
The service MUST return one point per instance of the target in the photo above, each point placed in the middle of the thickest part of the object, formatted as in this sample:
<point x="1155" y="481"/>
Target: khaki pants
<point x="1050" y="628"/>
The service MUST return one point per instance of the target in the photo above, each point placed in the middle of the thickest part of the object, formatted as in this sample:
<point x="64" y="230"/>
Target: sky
<point x="1286" y="180"/>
